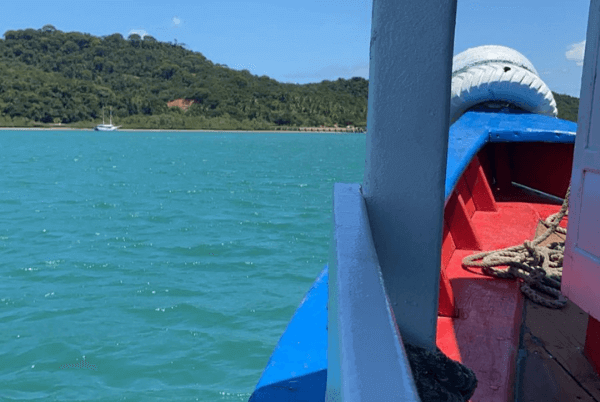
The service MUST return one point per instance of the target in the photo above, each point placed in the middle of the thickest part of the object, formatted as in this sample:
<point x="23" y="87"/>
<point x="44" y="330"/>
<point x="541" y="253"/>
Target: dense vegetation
<point x="51" y="77"/>
<point x="568" y="106"/>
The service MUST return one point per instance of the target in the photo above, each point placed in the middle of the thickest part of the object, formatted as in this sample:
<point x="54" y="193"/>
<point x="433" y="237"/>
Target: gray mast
<point x="407" y="139"/>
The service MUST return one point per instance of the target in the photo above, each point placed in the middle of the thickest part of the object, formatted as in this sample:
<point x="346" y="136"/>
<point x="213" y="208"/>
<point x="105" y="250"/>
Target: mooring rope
<point x="439" y="378"/>
<point x="539" y="267"/>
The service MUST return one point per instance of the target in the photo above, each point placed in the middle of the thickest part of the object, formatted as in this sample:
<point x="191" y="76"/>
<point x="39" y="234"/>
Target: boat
<point x="434" y="195"/>
<point x="106" y="127"/>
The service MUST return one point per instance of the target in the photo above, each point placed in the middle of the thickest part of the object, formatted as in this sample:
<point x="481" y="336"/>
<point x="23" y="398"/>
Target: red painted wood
<point x="513" y="224"/>
<point x="446" y="338"/>
<point x="543" y="166"/>
<point x="448" y="246"/>
<point x="592" y="343"/>
<point x="446" y="301"/>
<point x="545" y="210"/>
<point x="485" y="334"/>
<point x="502" y="167"/>
<point x="465" y="194"/>
<point x="481" y="191"/>
<point x="459" y="223"/>
<point x="484" y="157"/>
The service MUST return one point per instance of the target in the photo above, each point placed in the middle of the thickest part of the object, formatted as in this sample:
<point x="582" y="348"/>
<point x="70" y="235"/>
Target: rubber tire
<point x="499" y="82"/>
<point x="490" y="54"/>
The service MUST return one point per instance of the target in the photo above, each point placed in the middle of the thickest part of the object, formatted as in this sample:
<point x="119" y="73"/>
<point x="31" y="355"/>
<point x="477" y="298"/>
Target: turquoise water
<point x="157" y="266"/>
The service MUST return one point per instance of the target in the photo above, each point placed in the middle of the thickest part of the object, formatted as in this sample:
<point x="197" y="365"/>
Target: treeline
<point x="568" y="106"/>
<point x="49" y="76"/>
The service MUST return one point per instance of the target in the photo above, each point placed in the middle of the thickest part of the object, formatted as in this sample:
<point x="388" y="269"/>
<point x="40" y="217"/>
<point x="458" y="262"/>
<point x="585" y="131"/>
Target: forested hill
<point x="568" y="106"/>
<point x="48" y="77"/>
<point x="51" y="76"/>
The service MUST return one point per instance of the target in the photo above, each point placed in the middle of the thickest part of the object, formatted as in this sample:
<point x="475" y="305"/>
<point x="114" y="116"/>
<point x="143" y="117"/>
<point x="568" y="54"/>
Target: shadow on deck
<point x="552" y="363"/>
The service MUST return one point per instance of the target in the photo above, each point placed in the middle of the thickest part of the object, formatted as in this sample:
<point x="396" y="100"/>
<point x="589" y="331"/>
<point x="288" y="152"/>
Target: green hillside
<point x="568" y="106"/>
<point x="49" y="76"/>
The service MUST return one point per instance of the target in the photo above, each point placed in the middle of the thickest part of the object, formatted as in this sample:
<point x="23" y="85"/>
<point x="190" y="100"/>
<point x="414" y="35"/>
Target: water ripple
<point x="170" y="261"/>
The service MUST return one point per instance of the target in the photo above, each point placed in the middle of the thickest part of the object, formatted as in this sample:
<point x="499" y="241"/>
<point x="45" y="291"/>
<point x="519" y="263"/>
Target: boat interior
<point x="506" y="173"/>
<point x="517" y="349"/>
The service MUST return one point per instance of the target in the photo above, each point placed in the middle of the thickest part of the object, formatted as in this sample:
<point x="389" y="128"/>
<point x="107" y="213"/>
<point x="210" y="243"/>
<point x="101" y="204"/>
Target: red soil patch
<point x="183" y="104"/>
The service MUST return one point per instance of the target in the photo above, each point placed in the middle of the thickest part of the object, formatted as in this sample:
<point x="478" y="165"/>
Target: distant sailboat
<point x="106" y="127"/>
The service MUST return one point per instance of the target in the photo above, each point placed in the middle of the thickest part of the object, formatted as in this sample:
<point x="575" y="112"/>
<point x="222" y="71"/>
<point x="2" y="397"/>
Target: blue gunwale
<point x="475" y="129"/>
<point x="297" y="369"/>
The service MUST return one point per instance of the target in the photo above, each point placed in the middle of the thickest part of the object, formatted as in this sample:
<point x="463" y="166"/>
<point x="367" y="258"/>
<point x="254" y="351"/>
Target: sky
<point x="303" y="41"/>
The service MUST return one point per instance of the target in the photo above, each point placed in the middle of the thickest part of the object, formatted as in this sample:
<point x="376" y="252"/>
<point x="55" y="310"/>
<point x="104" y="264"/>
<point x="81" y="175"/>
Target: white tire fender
<point x="478" y="78"/>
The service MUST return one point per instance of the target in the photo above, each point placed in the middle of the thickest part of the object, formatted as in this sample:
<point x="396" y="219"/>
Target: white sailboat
<point x="106" y="127"/>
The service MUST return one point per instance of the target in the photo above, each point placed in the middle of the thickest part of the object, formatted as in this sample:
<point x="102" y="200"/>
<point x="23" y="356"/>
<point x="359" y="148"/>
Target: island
<point x="55" y="79"/>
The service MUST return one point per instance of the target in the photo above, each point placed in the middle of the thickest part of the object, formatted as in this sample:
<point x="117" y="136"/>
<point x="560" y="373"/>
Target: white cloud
<point x="576" y="52"/>
<point x="176" y="20"/>
<point x="141" y="32"/>
<point x="361" y="70"/>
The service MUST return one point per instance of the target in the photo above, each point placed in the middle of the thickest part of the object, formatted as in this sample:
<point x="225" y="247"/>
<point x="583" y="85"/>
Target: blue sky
<point x="312" y="40"/>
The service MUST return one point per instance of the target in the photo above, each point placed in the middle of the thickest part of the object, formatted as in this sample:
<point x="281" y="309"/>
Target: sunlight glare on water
<point x="158" y="266"/>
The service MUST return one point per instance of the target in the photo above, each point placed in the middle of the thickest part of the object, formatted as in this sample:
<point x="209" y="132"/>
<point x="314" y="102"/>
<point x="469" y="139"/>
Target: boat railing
<point x="366" y="357"/>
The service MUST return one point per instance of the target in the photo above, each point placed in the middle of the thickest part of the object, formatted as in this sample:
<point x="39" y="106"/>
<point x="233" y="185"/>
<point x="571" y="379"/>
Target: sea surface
<point x="157" y="266"/>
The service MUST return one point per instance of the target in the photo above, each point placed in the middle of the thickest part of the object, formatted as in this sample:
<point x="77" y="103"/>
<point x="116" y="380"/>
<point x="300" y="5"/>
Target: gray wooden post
<point x="407" y="139"/>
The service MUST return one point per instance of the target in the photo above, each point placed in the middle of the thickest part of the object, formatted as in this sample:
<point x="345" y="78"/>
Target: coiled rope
<point x="439" y="378"/>
<point x="539" y="267"/>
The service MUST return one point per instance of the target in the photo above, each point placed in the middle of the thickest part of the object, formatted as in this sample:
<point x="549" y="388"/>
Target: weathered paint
<point x="366" y="356"/>
<point x="490" y="54"/>
<point x="581" y="272"/>
<point x="474" y="129"/>
<point x="297" y="369"/>
<point x="407" y="140"/>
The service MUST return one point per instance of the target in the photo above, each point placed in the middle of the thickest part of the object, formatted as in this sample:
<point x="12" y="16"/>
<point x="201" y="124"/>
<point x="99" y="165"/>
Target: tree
<point x="10" y="35"/>
<point x="48" y="28"/>
<point x="69" y="47"/>
<point x="135" y="40"/>
<point x="114" y="38"/>
<point x="167" y="70"/>
<point x="72" y="75"/>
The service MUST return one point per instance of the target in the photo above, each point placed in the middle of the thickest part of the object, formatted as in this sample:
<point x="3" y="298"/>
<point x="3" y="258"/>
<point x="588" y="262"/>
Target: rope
<point x="439" y="378"/>
<point x="539" y="267"/>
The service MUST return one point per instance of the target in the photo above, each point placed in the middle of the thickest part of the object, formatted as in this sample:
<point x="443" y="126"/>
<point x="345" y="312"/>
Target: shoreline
<point x="180" y="131"/>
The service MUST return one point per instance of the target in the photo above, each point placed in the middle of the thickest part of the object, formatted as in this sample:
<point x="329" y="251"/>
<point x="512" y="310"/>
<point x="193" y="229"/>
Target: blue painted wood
<point x="474" y="129"/>
<point x="297" y="368"/>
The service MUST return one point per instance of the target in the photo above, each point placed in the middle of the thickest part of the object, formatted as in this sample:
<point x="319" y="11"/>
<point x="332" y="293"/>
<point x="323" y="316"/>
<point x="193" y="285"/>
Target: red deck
<point x="480" y="317"/>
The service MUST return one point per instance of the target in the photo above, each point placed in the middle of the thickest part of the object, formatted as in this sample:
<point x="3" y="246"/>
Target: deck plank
<point x="555" y="367"/>
<point x="544" y="380"/>
<point x="485" y="336"/>
<point x="559" y="336"/>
